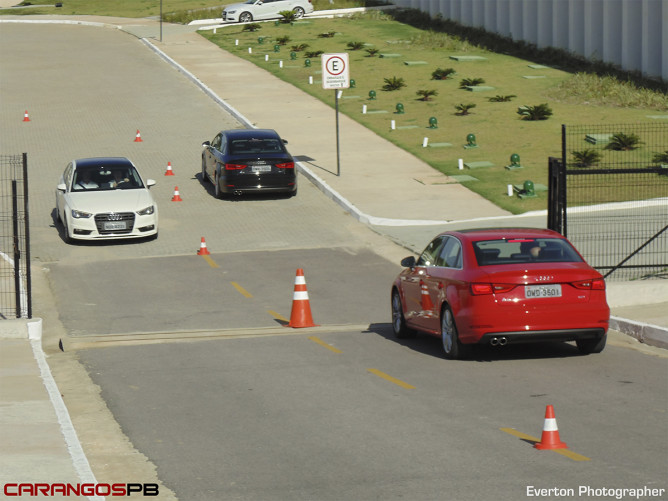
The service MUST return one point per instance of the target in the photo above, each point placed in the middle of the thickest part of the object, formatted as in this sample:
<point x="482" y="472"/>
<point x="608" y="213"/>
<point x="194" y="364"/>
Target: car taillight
<point x="286" y="165"/>
<point x="234" y="166"/>
<point x="482" y="289"/>
<point x="596" y="284"/>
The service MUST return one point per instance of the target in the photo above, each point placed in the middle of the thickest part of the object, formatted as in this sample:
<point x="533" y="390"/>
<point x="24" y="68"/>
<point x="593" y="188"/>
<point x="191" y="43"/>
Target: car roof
<point x="474" y="234"/>
<point x="250" y="133"/>
<point x="103" y="162"/>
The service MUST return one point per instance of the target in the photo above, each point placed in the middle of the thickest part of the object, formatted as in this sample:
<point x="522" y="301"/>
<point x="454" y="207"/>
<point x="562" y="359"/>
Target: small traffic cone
<point x="300" y="316"/>
<point x="425" y="298"/>
<point x="177" y="197"/>
<point x="169" y="171"/>
<point x="138" y="137"/>
<point x="26" y="118"/>
<point x="203" y="251"/>
<point x="550" y="438"/>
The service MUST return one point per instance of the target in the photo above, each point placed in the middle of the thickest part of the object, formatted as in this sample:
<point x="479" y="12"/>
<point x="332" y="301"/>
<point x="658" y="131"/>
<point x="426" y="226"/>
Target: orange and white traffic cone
<point x="138" y="138"/>
<point x="425" y="298"/>
<point x="550" y="438"/>
<point x="169" y="171"/>
<point x="177" y="197"/>
<point x="300" y="316"/>
<point x="203" y="251"/>
<point x="26" y="117"/>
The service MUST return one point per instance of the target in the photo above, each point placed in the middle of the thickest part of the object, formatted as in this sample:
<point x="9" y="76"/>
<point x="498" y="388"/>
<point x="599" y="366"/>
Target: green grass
<point x="498" y="128"/>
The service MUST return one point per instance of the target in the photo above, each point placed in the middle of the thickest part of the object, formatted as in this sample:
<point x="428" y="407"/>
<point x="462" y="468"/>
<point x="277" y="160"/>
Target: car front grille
<point x="102" y="220"/>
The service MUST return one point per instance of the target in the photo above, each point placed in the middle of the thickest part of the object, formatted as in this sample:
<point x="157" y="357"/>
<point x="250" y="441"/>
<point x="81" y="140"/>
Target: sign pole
<point x="338" y="160"/>
<point x="335" y="75"/>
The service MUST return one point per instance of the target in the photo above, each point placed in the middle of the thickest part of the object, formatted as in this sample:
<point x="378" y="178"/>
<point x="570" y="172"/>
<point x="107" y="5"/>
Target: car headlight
<point x="147" y="211"/>
<point x="79" y="214"/>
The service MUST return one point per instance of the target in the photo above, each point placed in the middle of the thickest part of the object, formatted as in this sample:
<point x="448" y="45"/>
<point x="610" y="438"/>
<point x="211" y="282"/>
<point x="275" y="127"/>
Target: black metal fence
<point x="609" y="196"/>
<point x="15" y="281"/>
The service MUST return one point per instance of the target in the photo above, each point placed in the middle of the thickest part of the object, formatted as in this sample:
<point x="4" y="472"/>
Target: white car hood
<point x="236" y="6"/>
<point x="110" y="201"/>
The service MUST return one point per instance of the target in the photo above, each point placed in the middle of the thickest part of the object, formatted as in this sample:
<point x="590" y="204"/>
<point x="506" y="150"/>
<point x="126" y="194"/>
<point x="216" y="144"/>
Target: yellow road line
<point x="241" y="290"/>
<point x="322" y="343"/>
<point x="391" y="379"/>
<point x="211" y="262"/>
<point x="564" y="452"/>
<point x="277" y="316"/>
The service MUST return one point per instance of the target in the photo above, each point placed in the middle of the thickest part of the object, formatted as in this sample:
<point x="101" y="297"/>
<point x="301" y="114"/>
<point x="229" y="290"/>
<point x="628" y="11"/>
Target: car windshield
<point x="524" y="250"/>
<point x="102" y="178"/>
<point x="250" y="146"/>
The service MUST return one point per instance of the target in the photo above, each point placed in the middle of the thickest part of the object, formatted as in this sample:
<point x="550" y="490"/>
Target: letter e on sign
<point x="335" y="71"/>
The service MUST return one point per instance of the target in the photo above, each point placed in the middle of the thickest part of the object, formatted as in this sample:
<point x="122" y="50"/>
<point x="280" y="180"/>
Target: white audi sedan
<point x="256" y="10"/>
<point x="105" y="198"/>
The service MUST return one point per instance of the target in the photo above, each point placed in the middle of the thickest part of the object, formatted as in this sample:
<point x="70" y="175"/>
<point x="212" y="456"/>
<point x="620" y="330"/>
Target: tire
<point x="587" y="346"/>
<point x="452" y="347"/>
<point x="398" y="320"/>
<point x="66" y="232"/>
<point x="245" y="17"/>
<point x="216" y="186"/>
<point x="204" y="176"/>
<point x="299" y="12"/>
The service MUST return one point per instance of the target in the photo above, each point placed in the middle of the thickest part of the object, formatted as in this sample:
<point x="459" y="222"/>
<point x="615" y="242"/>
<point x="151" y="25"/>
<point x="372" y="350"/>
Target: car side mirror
<point x="150" y="182"/>
<point x="62" y="187"/>
<point x="206" y="143"/>
<point x="408" y="262"/>
<point x="285" y="141"/>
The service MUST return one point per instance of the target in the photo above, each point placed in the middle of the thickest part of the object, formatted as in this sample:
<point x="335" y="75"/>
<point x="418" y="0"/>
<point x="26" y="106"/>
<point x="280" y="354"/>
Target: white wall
<point x="630" y="33"/>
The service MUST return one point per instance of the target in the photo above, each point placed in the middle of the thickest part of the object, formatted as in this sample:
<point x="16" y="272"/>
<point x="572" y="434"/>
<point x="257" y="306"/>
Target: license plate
<point x="533" y="291"/>
<point x="116" y="225"/>
<point x="261" y="168"/>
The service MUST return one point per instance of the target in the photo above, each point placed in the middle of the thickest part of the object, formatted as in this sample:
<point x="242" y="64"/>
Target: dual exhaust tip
<point x="498" y="341"/>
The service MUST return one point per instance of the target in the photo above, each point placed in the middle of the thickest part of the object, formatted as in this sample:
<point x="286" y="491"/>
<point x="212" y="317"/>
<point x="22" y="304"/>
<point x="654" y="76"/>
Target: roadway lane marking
<point x="322" y="343"/>
<point x="564" y="452"/>
<point x="278" y="316"/>
<point x="391" y="379"/>
<point x="211" y="262"/>
<point x="241" y="290"/>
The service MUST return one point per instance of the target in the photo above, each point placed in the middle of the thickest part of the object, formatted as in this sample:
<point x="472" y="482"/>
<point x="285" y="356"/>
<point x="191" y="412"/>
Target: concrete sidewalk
<point x="381" y="185"/>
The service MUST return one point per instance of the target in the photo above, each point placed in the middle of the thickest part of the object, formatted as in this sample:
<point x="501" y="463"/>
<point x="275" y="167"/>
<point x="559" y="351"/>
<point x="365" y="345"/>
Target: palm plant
<point x="328" y="34"/>
<point x="289" y="16"/>
<point x="394" y="83"/>
<point x="463" y="109"/>
<point x="282" y="40"/>
<point x="623" y="142"/>
<point x="313" y="54"/>
<point x="372" y="52"/>
<point x="442" y="74"/>
<point x="355" y="45"/>
<point x="538" y="112"/>
<point x="251" y="27"/>
<point x="586" y="158"/>
<point x="661" y="158"/>
<point x="471" y="82"/>
<point x="425" y="95"/>
<point x="299" y="47"/>
<point x="501" y="99"/>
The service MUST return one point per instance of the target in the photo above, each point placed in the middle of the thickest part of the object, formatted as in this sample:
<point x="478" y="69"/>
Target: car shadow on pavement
<point x="227" y="197"/>
<point x="431" y="345"/>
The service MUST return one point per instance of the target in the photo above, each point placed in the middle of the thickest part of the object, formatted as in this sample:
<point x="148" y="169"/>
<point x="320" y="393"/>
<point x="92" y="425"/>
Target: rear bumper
<point x="518" y="337"/>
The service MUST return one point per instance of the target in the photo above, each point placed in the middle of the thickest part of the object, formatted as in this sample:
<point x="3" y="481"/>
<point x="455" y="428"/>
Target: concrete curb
<point x="645" y="333"/>
<point x="22" y="328"/>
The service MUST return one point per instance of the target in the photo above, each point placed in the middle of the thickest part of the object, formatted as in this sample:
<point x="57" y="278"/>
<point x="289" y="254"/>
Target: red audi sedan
<point x="500" y="286"/>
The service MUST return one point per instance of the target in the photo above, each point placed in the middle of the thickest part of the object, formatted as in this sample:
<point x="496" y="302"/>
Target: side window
<point x="451" y="254"/>
<point x="429" y="255"/>
<point x="67" y="175"/>
<point x="216" y="142"/>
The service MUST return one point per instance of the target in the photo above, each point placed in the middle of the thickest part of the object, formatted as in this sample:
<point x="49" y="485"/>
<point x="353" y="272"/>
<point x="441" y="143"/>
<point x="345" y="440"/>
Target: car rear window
<point x="524" y="250"/>
<point x="247" y="146"/>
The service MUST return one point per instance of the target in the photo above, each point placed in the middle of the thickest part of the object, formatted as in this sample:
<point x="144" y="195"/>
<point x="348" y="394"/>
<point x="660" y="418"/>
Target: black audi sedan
<point x="242" y="161"/>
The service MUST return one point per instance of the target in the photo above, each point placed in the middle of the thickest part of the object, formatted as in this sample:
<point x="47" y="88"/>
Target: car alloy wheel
<point x="245" y="17"/>
<point x="398" y="321"/>
<point x="299" y="12"/>
<point x="451" y="345"/>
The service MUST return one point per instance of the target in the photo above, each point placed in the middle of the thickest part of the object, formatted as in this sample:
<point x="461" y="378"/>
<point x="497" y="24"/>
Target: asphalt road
<point x="336" y="413"/>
